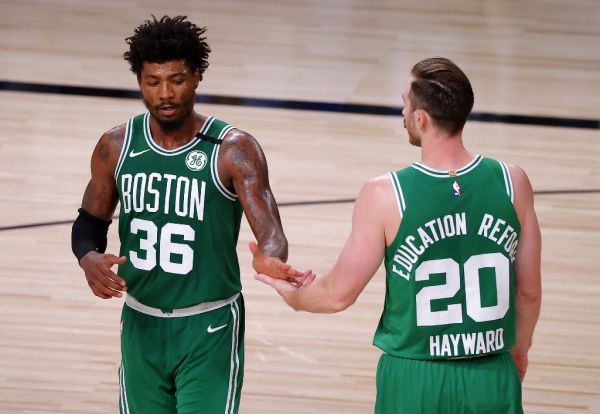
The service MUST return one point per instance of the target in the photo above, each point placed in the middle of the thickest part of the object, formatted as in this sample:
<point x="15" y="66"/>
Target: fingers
<point x="254" y="249"/>
<point x="277" y="284"/>
<point x="521" y="361"/>
<point x="309" y="280"/>
<point x="280" y="270"/>
<point x="305" y="279"/>
<point x="107" y="284"/>
<point x="113" y="281"/>
<point x="263" y="278"/>
<point x="102" y="290"/>
<point x="280" y="285"/>
<point x="103" y="282"/>
<point x="294" y="273"/>
<point x="272" y="266"/>
<point x="97" y="291"/>
<point x="523" y="369"/>
<point x="112" y="259"/>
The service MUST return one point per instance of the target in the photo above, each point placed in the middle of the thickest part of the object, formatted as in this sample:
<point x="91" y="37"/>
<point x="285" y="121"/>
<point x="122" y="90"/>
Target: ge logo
<point x="196" y="160"/>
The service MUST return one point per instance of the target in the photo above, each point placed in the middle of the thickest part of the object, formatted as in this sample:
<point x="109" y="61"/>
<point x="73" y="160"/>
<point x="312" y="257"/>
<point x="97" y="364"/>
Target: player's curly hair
<point x="159" y="41"/>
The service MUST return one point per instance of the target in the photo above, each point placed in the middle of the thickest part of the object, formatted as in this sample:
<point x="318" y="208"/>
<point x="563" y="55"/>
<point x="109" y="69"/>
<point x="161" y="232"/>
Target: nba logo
<point x="456" y="188"/>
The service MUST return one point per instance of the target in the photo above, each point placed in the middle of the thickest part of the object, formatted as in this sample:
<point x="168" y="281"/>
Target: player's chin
<point x="169" y="121"/>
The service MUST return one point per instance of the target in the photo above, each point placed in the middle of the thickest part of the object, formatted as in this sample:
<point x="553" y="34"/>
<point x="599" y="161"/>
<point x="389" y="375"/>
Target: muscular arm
<point x="527" y="269"/>
<point x="100" y="200"/>
<point x="359" y="259"/>
<point x="242" y="166"/>
<point x="100" y="197"/>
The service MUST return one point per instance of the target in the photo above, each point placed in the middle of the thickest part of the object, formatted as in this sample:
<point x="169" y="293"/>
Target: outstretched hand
<point x="103" y="282"/>
<point x="280" y="276"/>
<point x="274" y="268"/>
<point x="284" y="287"/>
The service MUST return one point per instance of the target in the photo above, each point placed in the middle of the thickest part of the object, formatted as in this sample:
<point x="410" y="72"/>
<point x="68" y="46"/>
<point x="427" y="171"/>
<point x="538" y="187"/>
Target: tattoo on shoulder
<point x="248" y="168"/>
<point x="244" y="153"/>
<point x="240" y="158"/>
<point x="104" y="151"/>
<point x="109" y="146"/>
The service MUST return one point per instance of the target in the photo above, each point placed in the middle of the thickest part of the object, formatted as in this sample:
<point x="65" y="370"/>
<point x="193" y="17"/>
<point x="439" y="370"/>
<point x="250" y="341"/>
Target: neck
<point x="171" y="136"/>
<point x="441" y="151"/>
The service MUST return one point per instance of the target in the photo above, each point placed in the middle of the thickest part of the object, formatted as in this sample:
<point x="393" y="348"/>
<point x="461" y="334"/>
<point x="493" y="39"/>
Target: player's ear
<point x="197" y="77"/>
<point x="421" y="118"/>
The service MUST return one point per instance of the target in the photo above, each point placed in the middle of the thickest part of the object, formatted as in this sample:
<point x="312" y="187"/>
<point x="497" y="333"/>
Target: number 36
<point x="167" y="247"/>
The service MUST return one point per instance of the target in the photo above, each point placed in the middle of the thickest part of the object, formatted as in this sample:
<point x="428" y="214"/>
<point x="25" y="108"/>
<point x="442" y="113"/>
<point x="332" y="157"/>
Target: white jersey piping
<point x="125" y="148"/>
<point x="443" y="174"/>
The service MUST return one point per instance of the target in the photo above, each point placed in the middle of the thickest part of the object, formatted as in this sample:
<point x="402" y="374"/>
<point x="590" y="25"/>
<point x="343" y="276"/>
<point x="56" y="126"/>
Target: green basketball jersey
<point x="178" y="224"/>
<point x="449" y="270"/>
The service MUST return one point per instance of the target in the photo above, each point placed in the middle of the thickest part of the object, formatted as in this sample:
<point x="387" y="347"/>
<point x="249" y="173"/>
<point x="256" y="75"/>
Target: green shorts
<point x="479" y="385"/>
<point x="182" y="365"/>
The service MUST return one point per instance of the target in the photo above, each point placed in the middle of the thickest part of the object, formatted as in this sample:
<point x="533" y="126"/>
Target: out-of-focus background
<point x="535" y="70"/>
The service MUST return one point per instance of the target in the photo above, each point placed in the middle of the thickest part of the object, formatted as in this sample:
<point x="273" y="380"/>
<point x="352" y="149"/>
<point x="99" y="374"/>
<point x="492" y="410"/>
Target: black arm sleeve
<point x="88" y="233"/>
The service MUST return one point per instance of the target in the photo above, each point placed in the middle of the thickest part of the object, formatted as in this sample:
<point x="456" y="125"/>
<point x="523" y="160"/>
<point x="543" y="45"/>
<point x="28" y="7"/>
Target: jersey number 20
<point x="475" y="310"/>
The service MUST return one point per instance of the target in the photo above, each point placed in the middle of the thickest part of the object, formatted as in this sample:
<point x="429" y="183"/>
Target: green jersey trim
<point x="213" y="165"/>
<point x="176" y="151"/>
<point x="444" y="174"/>
<point x="507" y="181"/>
<point x="398" y="193"/>
<point x="125" y="148"/>
<point x="161" y="151"/>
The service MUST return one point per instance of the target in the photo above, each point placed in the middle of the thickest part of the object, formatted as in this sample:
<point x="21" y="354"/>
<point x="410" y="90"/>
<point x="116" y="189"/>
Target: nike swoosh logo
<point x="210" y="329"/>
<point x="133" y="154"/>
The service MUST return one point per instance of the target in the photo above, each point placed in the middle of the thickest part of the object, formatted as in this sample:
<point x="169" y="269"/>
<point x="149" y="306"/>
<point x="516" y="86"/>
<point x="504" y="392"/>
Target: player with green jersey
<point x="460" y="242"/>
<point x="182" y="180"/>
<point x="178" y="224"/>
<point x="449" y="269"/>
<point x="450" y="283"/>
<point x="179" y="227"/>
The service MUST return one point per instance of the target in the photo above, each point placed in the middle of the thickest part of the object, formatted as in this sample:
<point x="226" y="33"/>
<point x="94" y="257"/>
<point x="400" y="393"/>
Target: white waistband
<point x="178" y="313"/>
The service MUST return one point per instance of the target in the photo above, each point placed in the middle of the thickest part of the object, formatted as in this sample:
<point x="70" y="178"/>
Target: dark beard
<point x="168" y="125"/>
<point x="171" y="125"/>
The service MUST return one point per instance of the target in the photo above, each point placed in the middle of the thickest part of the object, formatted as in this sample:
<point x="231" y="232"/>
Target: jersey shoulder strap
<point x="134" y="126"/>
<point x="501" y="171"/>
<point x="398" y="179"/>
<point x="214" y="130"/>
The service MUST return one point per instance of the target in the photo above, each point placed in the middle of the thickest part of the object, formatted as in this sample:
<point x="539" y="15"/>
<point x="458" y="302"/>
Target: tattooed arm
<point x="100" y="197"/>
<point x="100" y="200"/>
<point x="243" y="168"/>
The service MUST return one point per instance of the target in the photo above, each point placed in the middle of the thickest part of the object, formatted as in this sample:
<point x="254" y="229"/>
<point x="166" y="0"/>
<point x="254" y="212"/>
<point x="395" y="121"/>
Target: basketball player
<point x="461" y="245"/>
<point x="182" y="180"/>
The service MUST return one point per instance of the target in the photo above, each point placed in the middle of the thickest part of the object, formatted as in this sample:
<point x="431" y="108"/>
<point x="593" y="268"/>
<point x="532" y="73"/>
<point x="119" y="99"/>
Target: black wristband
<point x="88" y="234"/>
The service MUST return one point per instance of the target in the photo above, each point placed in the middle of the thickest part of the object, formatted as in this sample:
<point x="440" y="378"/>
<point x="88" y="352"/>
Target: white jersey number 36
<point x="454" y="312"/>
<point x="167" y="247"/>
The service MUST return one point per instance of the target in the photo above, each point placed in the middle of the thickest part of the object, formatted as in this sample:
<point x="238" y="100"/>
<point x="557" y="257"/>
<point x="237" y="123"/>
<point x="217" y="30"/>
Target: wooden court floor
<point x="59" y="345"/>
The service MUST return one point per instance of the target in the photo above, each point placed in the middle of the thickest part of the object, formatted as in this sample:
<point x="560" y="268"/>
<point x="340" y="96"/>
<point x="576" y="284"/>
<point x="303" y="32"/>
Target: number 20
<point x="475" y="310"/>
